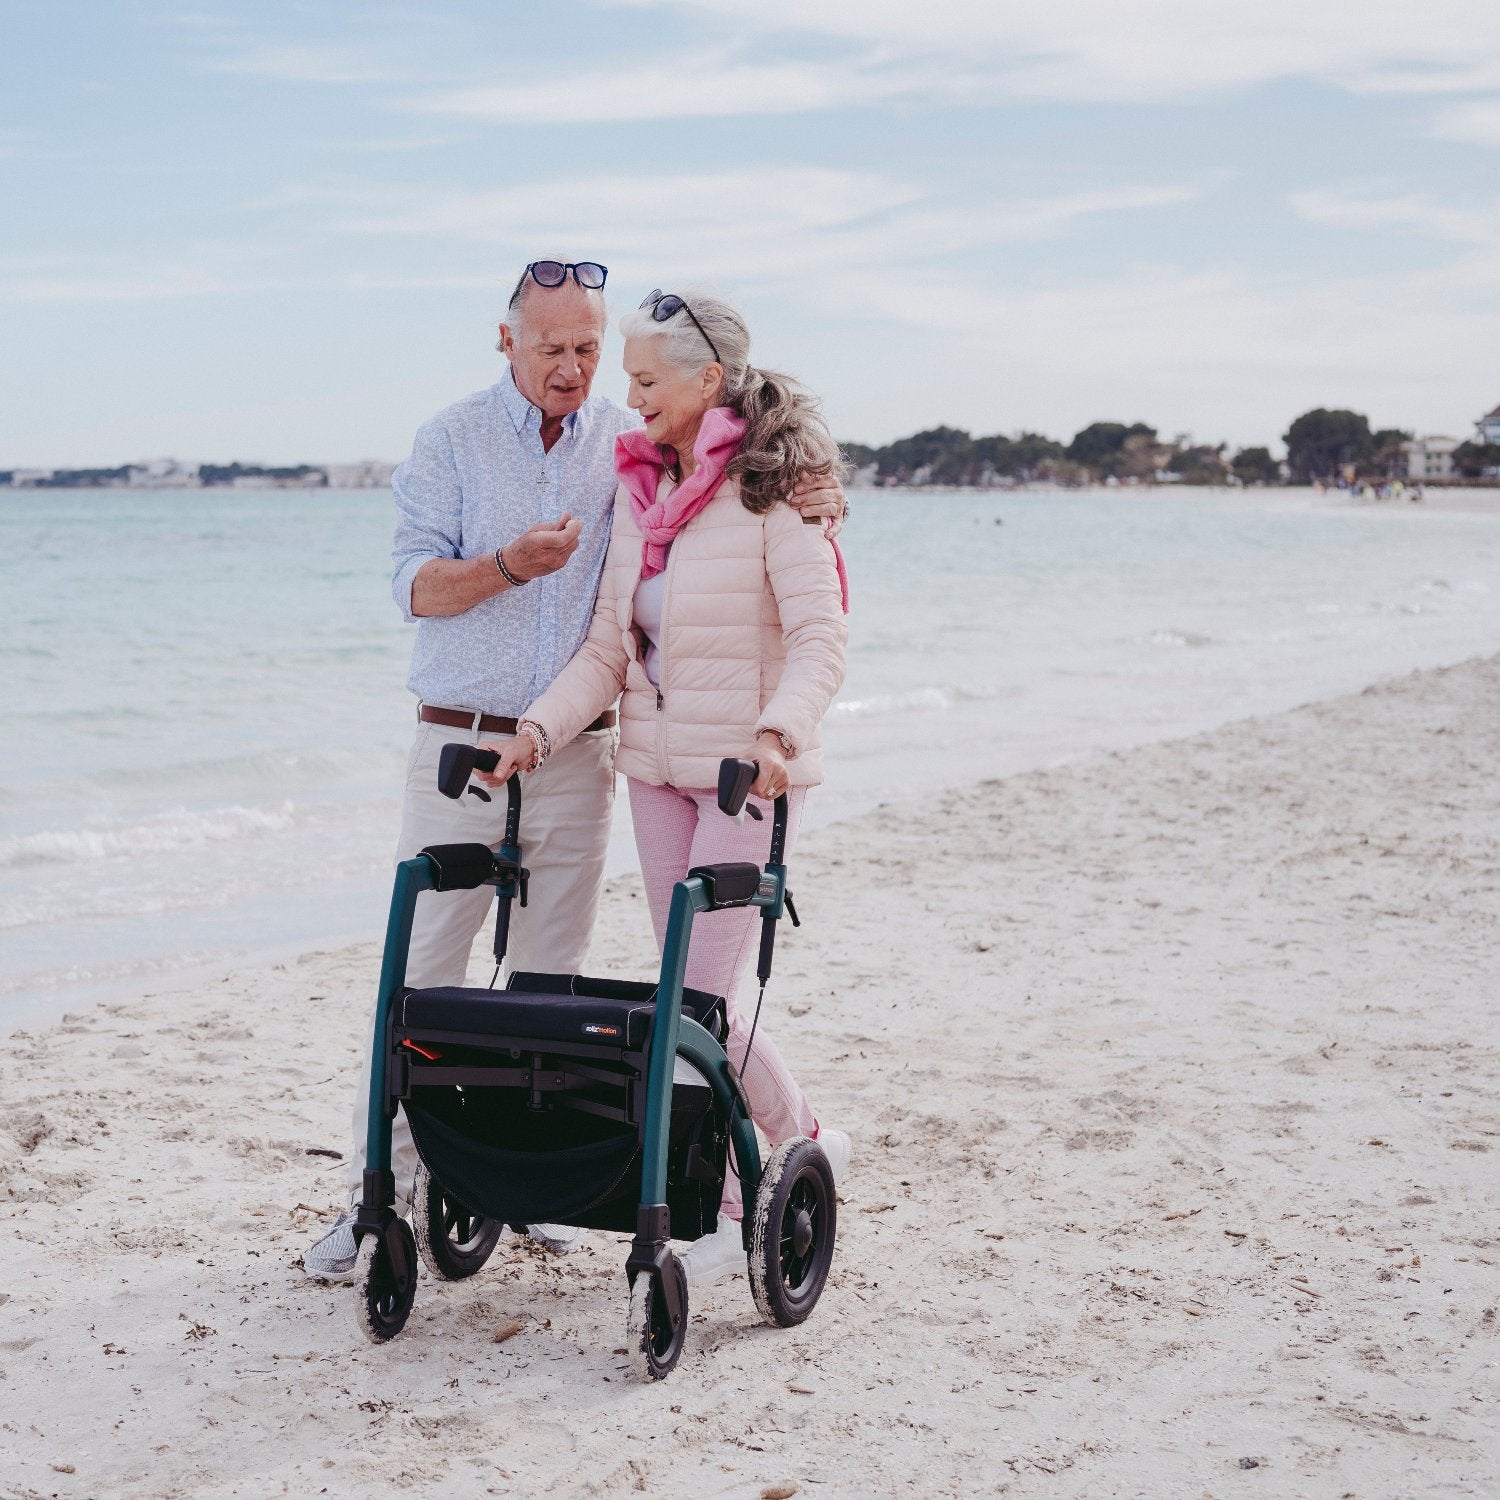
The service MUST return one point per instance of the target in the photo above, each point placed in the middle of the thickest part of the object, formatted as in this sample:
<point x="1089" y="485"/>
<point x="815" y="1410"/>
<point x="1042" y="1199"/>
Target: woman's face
<point x="671" y="401"/>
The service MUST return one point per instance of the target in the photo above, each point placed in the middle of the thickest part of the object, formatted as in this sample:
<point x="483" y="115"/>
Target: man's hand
<point x="450" y="585"/>
<point x="824" y="497"/>
<point x="542" y="549"/>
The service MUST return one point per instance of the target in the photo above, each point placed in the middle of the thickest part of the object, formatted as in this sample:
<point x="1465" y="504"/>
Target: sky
<point x="275" y="232"/>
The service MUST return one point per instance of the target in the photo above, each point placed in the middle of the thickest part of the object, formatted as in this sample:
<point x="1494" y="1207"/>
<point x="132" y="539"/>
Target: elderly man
<point x="503" y="518"/>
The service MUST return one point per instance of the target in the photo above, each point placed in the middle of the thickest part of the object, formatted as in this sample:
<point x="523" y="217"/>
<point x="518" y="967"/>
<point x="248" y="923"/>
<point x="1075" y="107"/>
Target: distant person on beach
<point x="721" y="616"/>
<point x="502" y="522"/>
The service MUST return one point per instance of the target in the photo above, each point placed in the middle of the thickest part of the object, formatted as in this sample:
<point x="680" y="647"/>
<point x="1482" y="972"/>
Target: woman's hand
<point x="773" y="778"/>
<point x="518" y="754"/>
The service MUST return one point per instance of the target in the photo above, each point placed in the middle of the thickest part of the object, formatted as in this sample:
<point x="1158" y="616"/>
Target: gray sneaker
<point x="332" y="1258"/>
<point x="560" y="1239"/>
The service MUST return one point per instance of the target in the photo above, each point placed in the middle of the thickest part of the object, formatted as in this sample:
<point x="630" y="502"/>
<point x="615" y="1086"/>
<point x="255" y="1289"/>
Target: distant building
<point x="367" y="474"/>
<point x="1487" y="428"/>
<point x="1430" y="457"/>
<point x="162" y="474"/>
<point x="25" y="479"/>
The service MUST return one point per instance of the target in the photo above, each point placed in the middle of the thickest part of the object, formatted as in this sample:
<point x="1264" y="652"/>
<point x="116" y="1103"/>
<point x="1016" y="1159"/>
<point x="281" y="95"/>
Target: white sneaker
<point x="716" y="1255"/>
<point x="560" y="1239"/>
<point x="332" y="1258"/>
<point x="838" y="1149"/>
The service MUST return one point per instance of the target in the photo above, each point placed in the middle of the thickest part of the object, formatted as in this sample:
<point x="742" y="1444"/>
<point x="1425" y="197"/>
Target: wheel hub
<point x="802" y="1232"/>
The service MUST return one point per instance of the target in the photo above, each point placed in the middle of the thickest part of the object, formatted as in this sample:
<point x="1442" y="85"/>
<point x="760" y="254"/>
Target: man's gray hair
<point x="515" y="314"/>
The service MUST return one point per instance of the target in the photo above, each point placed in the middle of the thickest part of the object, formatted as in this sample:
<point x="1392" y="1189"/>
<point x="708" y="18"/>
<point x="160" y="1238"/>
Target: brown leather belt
<point x="456" y="718"/>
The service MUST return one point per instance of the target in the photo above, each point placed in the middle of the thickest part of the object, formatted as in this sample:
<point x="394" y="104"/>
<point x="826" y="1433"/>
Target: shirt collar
<point x="525" y="416"/>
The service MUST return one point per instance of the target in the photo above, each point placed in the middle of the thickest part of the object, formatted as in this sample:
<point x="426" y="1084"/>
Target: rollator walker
<point x="602" y="1103"/>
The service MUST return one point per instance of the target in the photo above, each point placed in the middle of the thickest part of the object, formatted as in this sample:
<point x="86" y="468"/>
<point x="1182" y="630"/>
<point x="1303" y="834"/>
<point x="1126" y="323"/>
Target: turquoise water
<point x="205" y="718"/>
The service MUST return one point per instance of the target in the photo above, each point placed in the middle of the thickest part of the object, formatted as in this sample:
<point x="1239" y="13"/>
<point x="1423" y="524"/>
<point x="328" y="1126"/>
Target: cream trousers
<point x="565" y="820"/>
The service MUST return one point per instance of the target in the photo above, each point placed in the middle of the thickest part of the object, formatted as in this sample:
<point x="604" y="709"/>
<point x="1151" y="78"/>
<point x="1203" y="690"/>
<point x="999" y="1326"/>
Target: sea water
<point x="206" y="722"/>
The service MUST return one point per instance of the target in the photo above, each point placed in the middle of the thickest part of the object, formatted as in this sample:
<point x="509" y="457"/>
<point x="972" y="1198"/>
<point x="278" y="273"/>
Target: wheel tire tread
<point x="785" y="1162"/>
<point x="647" y="1364"/>
<point x="432" y="1238"/>
<point x="377" y="1329"/>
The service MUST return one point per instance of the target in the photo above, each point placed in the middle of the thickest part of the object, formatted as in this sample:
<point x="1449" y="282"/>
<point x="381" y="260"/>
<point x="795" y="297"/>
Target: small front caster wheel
<point x="654" y="1346"/>
<point x="792" y="1233"/>
<point x="452" y="1242"/>
<point x="385" y="1284"/>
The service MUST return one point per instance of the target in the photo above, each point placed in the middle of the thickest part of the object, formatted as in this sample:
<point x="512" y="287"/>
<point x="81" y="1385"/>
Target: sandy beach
<point x="1174" y="1081"/>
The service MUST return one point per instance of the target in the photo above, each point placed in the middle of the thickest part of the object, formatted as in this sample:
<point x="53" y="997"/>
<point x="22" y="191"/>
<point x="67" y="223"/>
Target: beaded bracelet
<point x="541" y="743"/>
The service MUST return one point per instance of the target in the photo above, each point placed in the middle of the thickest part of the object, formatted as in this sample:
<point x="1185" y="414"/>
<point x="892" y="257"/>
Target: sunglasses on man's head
<point x="589" y="274"/>
<point x="666" y="305"/>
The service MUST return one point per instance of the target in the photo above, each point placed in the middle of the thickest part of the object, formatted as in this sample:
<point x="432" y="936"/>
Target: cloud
<point x="21" y="145"/>
<point x="1476" y="123"/>
<point x="869" y="53"/>
<point x="786" y="228"/>
<point x="1146" y="51"/>
<point x="1476" y="222"/>
<point x="154" y="283"/>
<point x="1226" y="353"/>
<point x="686" y="86"/>
<point x="203" y="269"/>
<point x="727" y="218"/>
<point x="749" y="223"/>
<point x="303" y="63"/>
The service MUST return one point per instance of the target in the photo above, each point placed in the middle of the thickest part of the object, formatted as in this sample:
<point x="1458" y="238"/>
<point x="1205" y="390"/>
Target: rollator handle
<point x="457" y="762"/>
<point x="736" y="777"/>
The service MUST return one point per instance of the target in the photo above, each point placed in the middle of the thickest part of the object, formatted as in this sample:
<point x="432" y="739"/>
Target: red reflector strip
<point x="426" y="1052"/>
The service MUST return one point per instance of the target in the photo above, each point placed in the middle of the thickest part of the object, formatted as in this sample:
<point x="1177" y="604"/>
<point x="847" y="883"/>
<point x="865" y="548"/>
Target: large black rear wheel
<point x="792" y="1232"/>
<point x="452" y="1241"/>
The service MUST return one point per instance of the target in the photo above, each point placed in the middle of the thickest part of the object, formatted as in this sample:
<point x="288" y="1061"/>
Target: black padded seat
<point x="552" y="1014"/>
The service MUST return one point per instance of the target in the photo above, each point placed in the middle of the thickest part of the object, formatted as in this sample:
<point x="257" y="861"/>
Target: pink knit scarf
<point x="640" y="463"/>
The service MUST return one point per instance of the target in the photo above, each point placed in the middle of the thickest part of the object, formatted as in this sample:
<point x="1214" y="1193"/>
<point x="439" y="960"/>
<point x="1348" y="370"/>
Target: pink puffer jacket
<point x="753" y="638"/>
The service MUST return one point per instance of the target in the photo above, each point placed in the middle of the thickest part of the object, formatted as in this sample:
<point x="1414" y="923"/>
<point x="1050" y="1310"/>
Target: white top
<point x="649" y="598"/>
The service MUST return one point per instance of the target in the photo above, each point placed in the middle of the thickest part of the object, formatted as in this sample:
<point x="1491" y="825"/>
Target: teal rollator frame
<point x="573" y="1100"/>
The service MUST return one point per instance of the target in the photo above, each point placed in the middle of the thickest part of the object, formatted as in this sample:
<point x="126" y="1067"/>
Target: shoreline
<point x="1173" y="1076"/>
<point x="44" y="1008"/>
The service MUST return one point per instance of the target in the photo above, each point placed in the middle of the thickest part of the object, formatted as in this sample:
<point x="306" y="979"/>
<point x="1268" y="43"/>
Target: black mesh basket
<point x="507" y="1161"/>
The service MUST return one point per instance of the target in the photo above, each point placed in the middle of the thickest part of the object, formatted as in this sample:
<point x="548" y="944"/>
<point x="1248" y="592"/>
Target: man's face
<point x="554" y="352"/>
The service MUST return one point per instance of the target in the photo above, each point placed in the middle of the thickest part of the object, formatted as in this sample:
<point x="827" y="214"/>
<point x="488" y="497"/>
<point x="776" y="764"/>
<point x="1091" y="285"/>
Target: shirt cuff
<point x="401" y="583"/>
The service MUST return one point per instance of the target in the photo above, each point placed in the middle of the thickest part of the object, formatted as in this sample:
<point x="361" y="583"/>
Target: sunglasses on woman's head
<point x="589" y="274"/>
<point x="666" y="305"/>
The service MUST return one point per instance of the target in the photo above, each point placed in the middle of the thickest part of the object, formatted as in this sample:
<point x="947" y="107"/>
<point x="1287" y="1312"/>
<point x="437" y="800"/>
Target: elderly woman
<point x="721" y="616"/>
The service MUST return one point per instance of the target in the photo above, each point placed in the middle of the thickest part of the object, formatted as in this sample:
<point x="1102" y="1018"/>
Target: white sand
<point x="1174" y="1082"/>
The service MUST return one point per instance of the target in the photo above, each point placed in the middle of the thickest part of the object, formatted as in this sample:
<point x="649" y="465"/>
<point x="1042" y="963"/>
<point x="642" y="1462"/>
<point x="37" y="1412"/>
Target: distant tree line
<point x="1327" y="445"/>
<point x="205" y="474"/>
<point x="1129" y="453"/>
<point x="228" y="473"/>
<point x="73" y="479"/>
<point x="1321" y="445"/>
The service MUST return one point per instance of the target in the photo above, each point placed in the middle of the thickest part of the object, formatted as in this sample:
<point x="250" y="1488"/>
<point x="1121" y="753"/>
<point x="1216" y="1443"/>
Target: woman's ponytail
<point x="786" y="438"/>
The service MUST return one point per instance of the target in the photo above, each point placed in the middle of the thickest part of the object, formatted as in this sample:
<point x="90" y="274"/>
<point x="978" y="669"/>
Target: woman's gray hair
<point x="786" y="438"/>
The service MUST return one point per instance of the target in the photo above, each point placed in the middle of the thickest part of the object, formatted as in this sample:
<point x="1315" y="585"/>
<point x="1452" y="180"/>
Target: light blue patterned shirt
<point x="478" y="477"/>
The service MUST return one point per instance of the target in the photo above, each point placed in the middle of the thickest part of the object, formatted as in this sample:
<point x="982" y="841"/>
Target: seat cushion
<point x="542" y="1016"/>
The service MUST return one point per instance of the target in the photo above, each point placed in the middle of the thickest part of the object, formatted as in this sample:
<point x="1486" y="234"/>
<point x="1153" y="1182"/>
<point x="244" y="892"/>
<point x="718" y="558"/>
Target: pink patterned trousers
<point x="675" y="829"/>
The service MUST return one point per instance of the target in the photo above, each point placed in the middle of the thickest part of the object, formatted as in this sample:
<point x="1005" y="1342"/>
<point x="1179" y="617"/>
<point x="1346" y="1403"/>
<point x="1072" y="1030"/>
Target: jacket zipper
<point x="661" y="673"/>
